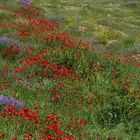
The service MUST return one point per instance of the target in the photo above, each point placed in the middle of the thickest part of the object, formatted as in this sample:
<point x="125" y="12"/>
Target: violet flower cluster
<point x="9" y="101"/>
<point x="26" y="2"/>
<point x="9" y="41"/>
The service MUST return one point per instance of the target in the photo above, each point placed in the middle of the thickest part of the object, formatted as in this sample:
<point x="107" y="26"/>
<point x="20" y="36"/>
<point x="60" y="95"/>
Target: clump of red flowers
<point x="50" y="127"/>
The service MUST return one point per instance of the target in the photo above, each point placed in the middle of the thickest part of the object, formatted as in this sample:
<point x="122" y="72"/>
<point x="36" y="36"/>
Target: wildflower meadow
<point x="57" y="86"/>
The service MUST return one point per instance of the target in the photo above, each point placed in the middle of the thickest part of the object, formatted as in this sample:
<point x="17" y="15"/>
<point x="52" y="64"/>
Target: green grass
<point x="98" y="17"/>
<point x="72" y="79"/>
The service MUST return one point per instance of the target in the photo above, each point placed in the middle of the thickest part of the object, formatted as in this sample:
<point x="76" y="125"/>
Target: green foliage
<point x="100" y="89"/>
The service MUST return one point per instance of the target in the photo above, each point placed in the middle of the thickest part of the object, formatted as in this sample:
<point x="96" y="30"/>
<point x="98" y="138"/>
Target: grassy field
<point x="72" y="89"/>
<point x="107" y="24"/>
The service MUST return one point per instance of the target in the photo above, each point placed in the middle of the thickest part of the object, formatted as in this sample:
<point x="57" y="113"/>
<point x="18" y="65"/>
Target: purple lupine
<point x="9" y="101"/>
<point x="9" y="41"/>
<point x="26" y="2"/>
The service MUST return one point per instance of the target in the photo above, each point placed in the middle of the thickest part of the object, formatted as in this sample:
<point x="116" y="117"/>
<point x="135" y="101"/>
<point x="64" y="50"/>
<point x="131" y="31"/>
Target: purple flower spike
<point x="10" y="41"/>
<point x="26" y="2"/>
<point x="9" y="101"/>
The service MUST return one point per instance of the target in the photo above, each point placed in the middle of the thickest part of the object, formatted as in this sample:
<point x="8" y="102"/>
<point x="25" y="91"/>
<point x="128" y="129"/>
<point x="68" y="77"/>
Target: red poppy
<point x="2" y="135"/>
<point x="14" y="138"/>
<point x="1" y="87"/>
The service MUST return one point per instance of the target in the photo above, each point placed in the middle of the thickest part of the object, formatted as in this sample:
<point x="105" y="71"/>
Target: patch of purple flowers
<point x="26" y="2"/>
<point x="9" y="41"/>
<point x="9" y="101"/>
